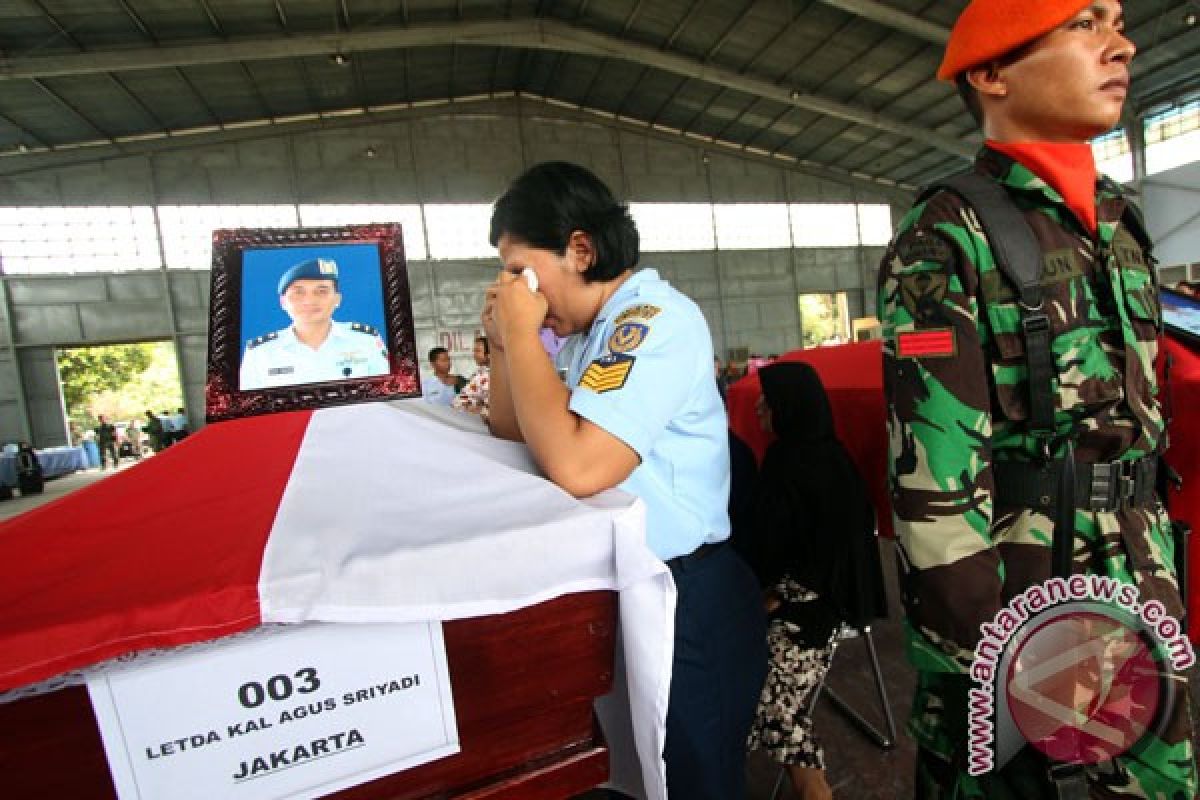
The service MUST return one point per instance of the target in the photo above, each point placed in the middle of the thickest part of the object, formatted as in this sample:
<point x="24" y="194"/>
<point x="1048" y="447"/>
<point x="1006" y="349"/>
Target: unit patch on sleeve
<point x="607" y="373"/>
<point x="639" y="312"/>
<point x="935" y="343"/>
<point x="627" y="336"/>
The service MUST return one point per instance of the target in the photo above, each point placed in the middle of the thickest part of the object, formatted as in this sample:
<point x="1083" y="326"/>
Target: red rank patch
<point x="937" y="343"/>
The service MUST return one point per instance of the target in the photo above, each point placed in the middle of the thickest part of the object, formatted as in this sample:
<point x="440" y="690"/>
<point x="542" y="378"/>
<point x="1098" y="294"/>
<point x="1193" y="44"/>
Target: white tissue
<point x="530" y="278"/>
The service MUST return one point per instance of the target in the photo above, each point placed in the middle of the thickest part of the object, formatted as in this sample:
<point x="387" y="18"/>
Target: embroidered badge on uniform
<point x="934" y="343"/>
<point x="607" y="373"/>
<point x="919" y="290"/>
<point x="627" y="337"/>
<point x="639" y="312"/>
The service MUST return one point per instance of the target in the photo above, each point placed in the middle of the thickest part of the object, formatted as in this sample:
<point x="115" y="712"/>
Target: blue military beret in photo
<point x="316" y="269"/>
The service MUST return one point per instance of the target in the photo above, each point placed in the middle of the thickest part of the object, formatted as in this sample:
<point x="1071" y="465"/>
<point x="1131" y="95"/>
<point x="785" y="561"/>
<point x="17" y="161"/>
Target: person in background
<point x="168" y="428"/>
<point x="639" y="410"/>
<point x="812" y="546"/>
<point x="722" y="380"/>
<point x="133" y="432"/>
<point x="179" y="425"/>
<point x="154" y="430"/>
<point x="106" y="440"/>
<point x="1016" y="423"/>
<point x="443" y="386"/>
<point x="474" y="396"/>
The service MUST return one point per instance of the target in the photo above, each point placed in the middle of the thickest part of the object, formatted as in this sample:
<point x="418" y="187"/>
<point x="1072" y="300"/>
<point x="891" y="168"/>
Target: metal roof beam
<point x="894" y="19"/>
<point x="533" y="34"/>
<point x="12" y="165"/>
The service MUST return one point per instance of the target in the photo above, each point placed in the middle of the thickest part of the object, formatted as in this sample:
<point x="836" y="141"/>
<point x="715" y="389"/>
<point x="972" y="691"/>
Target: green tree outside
<point x="820" y="320"/>
<point x="120" y="381"/>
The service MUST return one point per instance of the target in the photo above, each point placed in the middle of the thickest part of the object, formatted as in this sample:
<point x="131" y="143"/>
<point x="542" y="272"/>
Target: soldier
<point x="106" y="440"/>
<point x="982" y="435"/>
<point x="314" y="348"/>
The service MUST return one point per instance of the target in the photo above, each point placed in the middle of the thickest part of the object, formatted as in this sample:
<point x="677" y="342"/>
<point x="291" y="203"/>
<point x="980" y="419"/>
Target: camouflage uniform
<point x="950" y="417"/>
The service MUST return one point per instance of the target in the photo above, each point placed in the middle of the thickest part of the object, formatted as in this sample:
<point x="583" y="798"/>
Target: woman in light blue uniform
<point x="640" y="411"/>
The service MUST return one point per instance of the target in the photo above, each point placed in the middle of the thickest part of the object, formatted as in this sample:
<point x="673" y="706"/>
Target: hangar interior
<point x="766" y="147"/>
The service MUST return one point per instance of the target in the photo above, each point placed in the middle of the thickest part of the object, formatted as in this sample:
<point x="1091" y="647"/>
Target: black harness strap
<point x="1017" y="254"/>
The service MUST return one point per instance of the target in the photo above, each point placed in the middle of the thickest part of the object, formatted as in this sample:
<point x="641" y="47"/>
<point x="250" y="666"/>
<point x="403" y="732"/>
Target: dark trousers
<point x="717" y="676"/>
<point x="108" y="449"/>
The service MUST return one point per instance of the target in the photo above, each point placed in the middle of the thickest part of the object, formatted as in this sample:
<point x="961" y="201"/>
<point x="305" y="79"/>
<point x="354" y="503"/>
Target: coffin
<point x="523" y="684"/>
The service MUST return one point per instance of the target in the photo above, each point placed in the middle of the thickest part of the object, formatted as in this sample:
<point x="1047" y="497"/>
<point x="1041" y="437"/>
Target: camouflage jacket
<point x="957" y="393"/>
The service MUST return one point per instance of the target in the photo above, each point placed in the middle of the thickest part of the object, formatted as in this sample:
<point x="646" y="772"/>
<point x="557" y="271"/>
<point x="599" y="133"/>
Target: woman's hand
<point x="514" y="309"/>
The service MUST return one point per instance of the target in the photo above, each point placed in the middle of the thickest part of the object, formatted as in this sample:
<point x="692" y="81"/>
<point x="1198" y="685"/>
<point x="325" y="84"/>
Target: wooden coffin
<point x="523" y="686"/>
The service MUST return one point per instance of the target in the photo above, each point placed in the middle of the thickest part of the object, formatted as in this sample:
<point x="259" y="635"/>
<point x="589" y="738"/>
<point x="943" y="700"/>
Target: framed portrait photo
<point x="308" y="317"/>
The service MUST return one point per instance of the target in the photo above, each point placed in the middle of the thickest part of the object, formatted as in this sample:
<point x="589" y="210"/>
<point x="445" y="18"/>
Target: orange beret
<point x="988" y="29"/>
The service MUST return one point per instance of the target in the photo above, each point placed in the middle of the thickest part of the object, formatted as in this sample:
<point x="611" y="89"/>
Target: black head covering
<point x="814" y="516"/>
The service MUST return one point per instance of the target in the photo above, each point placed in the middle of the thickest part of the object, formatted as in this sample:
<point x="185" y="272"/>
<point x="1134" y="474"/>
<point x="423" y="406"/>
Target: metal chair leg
<point x="779" y="783"/>
<point x="886" y="741"/>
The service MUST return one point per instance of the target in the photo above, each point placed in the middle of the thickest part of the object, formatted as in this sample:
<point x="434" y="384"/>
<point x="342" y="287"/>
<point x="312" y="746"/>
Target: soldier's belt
<point x="1109" y="486"/>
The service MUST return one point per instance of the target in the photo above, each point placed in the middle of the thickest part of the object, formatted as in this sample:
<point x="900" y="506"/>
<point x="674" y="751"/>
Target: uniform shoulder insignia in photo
<point x="607" y="373"/>
<point x="642" y="312"/>
<point x="266" y="337"/>
<point x="362" y="327"/>
<point x="627" y="336"/>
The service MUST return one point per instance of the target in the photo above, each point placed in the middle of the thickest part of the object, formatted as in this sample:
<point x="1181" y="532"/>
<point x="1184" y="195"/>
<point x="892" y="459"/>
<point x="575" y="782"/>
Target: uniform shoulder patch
<point x="921" y="245"/>
<point x="362" y="327"/>
<point x="922" y="292"/>
<point x="627" y="336"/>
<point x="266" y="337"/>
<point x="933" y="343"/>
<point x="607" y="373"/>
<point x="642" y="312"/>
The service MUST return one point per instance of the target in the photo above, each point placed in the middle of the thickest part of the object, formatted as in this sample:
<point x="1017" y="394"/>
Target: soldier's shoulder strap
<point x="266" y="337"/>
<point x="1018" y="255"/>
<point x="1014" y="247"/>
<point x="362" y="327"/>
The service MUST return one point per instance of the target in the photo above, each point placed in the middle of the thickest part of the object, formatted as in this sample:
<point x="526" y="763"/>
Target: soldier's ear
<point x="989" y="80"/>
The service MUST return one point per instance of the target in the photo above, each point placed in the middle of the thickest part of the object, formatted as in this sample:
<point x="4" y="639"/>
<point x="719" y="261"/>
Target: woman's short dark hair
<point x="487" y="348"/>
<point x="550" y="201"/>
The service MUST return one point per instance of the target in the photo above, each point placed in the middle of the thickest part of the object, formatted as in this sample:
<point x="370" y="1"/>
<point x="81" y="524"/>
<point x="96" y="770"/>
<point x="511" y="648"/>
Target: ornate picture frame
<point x="261" y="356"/>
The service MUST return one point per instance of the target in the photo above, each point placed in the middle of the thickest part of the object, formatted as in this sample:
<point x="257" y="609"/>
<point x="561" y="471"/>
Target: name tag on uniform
<point x="281" y="370"/>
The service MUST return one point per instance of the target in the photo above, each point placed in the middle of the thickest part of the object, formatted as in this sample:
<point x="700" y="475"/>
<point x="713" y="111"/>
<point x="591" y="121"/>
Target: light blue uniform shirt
<point x="644" y="373"/>
<point x="436" y="392"/>
<point x="351" y="350"/>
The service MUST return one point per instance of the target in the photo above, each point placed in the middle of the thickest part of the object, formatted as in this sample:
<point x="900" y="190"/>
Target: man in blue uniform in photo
<point x="314" y="347"/>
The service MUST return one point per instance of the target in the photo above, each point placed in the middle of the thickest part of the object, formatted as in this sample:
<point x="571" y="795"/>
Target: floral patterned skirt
<point x="783" y="726"/>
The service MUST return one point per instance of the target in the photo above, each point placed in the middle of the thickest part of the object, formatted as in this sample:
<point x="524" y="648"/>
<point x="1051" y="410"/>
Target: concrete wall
<point x="749" y="297"/>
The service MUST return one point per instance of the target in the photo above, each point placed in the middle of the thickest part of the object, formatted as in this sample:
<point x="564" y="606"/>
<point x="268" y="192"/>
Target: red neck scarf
<point x="1069" y="167"/>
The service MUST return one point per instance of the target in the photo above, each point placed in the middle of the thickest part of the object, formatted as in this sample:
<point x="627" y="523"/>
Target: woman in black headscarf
<point x="814" y="552"/>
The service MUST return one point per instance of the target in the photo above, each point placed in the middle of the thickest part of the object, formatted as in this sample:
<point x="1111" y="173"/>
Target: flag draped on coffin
<point x="375" y="512"/>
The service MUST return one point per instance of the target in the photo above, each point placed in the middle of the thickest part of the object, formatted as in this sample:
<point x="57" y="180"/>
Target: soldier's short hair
<point x="435" y="352"/>
<point x="970" y="98"/>
<point x="550" y="201"/>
